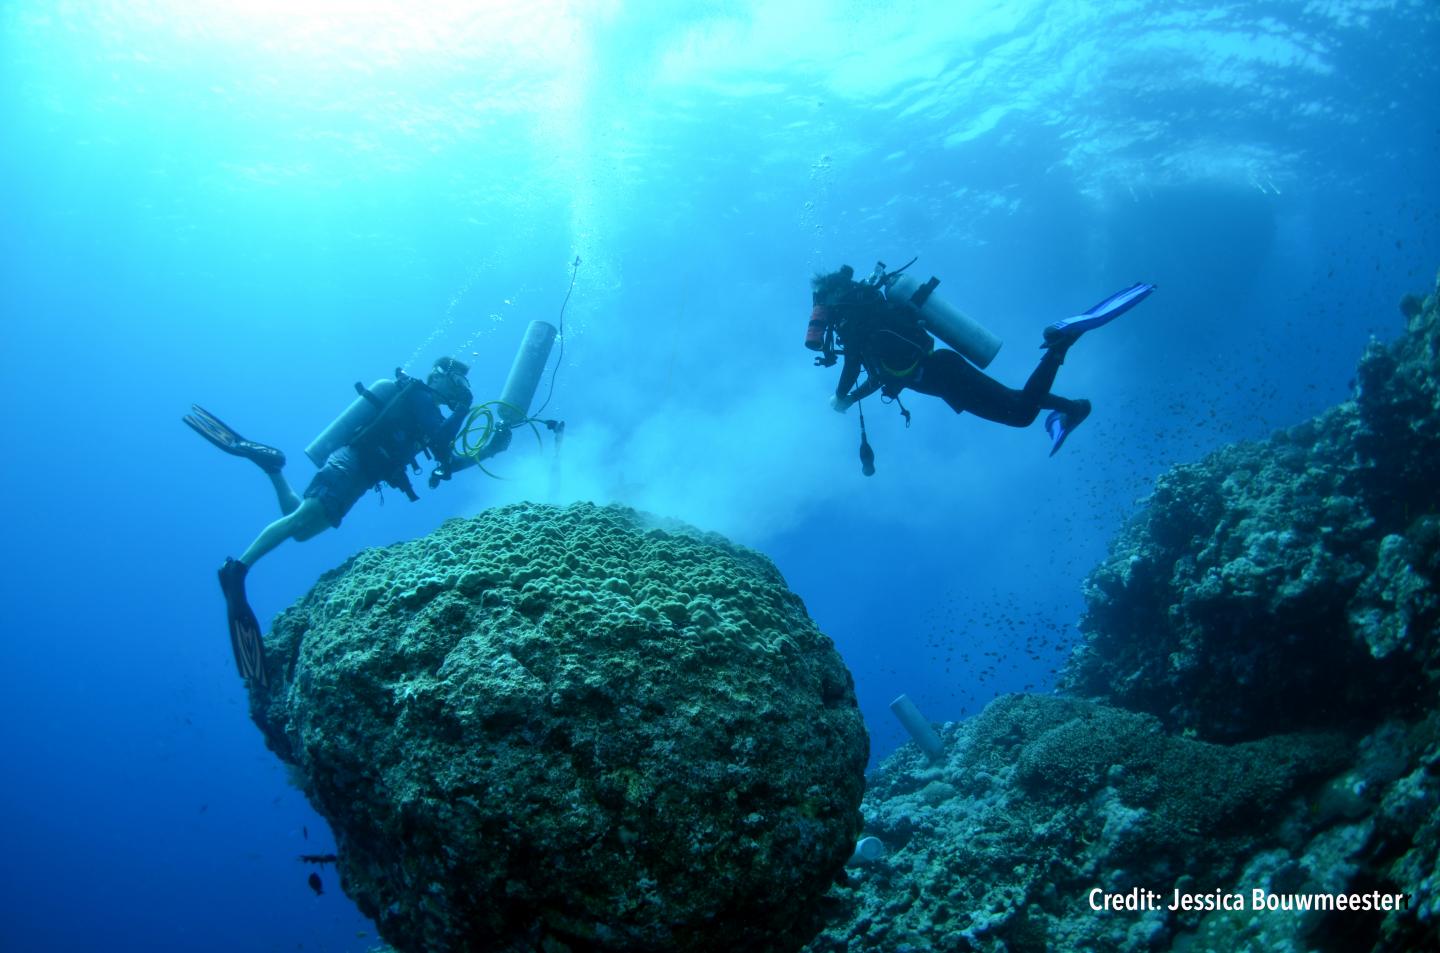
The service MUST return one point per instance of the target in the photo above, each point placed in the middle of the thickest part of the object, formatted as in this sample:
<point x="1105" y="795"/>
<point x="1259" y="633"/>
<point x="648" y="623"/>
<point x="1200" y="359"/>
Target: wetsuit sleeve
<point x="442" y="444"/>
<point x="849" y="374"/>
<point x="458" y="463"/>
<point x="871" y="385"/>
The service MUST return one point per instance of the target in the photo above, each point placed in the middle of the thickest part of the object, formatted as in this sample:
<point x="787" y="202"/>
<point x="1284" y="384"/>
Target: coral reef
<point x="570" y="729"/>
<point x="1041" y="799"/>
<point x="1271" y="573"/>
<point x="1252" y="708"/>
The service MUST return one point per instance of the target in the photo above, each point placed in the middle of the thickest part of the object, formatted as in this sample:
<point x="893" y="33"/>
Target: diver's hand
<point x="436" y="475"/>
<point x="840" y="404"/>
<point x="498" y="442"/>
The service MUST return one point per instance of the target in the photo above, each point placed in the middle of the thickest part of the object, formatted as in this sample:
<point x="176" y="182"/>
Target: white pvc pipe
<point x="918" y="727"/>
<point x="867" y="851"/>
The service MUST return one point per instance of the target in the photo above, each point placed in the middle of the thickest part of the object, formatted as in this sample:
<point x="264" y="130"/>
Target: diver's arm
<point x="442" y="446"/>
<point x="455" y="462"/>
<point x="844" y="396"/>
<point x="849" y="374"/>
<point x="499" y="441"/>
<point x="458" y="462"/>
<point x="871" y="385"/>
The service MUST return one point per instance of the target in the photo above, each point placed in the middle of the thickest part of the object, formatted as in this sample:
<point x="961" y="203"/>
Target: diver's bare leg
<point x="307" y="520"/>
<point x="289" y="501"/>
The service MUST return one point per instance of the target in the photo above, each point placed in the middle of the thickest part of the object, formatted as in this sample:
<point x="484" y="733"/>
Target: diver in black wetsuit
<point x="886" y="339"/>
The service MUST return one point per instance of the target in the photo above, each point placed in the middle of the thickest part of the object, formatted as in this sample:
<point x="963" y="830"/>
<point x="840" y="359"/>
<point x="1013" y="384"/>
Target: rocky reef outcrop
<point x="1253" y="708"/>
<point x="1041" y="799"/>
<point x="1270" y="575"/>
<point x="570" y="729"/>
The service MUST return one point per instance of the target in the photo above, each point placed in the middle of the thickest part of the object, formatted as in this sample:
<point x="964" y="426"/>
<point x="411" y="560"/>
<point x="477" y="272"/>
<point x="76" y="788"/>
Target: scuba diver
<point x="375" y="441"/>
<point x="883" y="326"/>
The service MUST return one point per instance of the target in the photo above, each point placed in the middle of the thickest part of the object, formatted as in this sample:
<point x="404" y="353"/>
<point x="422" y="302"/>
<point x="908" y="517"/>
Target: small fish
<point x="304" y="832"/>
<point x="315" y="885"/>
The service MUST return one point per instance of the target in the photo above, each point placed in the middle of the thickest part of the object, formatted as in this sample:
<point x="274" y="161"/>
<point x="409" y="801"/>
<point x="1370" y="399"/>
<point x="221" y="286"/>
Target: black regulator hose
<point x="867" y="455"/>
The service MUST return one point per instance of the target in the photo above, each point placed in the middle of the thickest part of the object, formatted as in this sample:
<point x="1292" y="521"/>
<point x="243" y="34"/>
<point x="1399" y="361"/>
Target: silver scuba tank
<point x="947" y="322"/>
<point x="343" y="429"/>
<point x="525" y="372"/>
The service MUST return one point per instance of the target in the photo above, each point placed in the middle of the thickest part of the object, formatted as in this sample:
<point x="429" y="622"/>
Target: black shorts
<point x="339" y="484"/>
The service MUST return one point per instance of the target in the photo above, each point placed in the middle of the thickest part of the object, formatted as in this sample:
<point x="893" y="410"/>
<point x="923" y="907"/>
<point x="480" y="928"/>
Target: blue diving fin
<point x="1066" y="332"/>
<point x="1061" y="425"/>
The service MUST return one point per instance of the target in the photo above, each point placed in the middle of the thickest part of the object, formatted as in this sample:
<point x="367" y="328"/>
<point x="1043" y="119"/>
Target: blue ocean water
<point x="253" y="208"/>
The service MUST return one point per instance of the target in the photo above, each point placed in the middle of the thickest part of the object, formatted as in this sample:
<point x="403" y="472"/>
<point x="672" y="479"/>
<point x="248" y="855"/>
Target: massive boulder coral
<point x="570" y="729"/>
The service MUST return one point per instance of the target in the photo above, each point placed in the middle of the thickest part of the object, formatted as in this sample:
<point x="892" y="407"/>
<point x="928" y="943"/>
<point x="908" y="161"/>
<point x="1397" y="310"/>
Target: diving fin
<point x="1067" y="332"/>
<point x="220" y="434"/>
<point x="1060" y="425"/>
<point x="245" y="639"/>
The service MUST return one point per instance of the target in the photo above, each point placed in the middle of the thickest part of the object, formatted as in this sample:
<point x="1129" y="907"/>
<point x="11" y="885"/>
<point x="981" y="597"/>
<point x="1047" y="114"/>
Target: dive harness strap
<point x="922" y="294"/>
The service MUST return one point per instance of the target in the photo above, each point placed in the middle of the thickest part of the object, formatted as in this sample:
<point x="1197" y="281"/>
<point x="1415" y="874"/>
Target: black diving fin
<point x="225" y="437"/>
<point x="245" y="638"/>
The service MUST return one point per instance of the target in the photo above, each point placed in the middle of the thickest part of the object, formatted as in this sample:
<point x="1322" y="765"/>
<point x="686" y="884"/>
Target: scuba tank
<point x="942" y="319"/>
<point x="937" y="316"/>
<point x="525" y="372"/>
<point x="355" y="418"/>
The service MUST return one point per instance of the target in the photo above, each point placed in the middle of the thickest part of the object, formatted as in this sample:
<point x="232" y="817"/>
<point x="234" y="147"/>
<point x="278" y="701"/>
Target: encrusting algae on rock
<point x="1288" y="583"/>
<point x="573" y="728"/>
